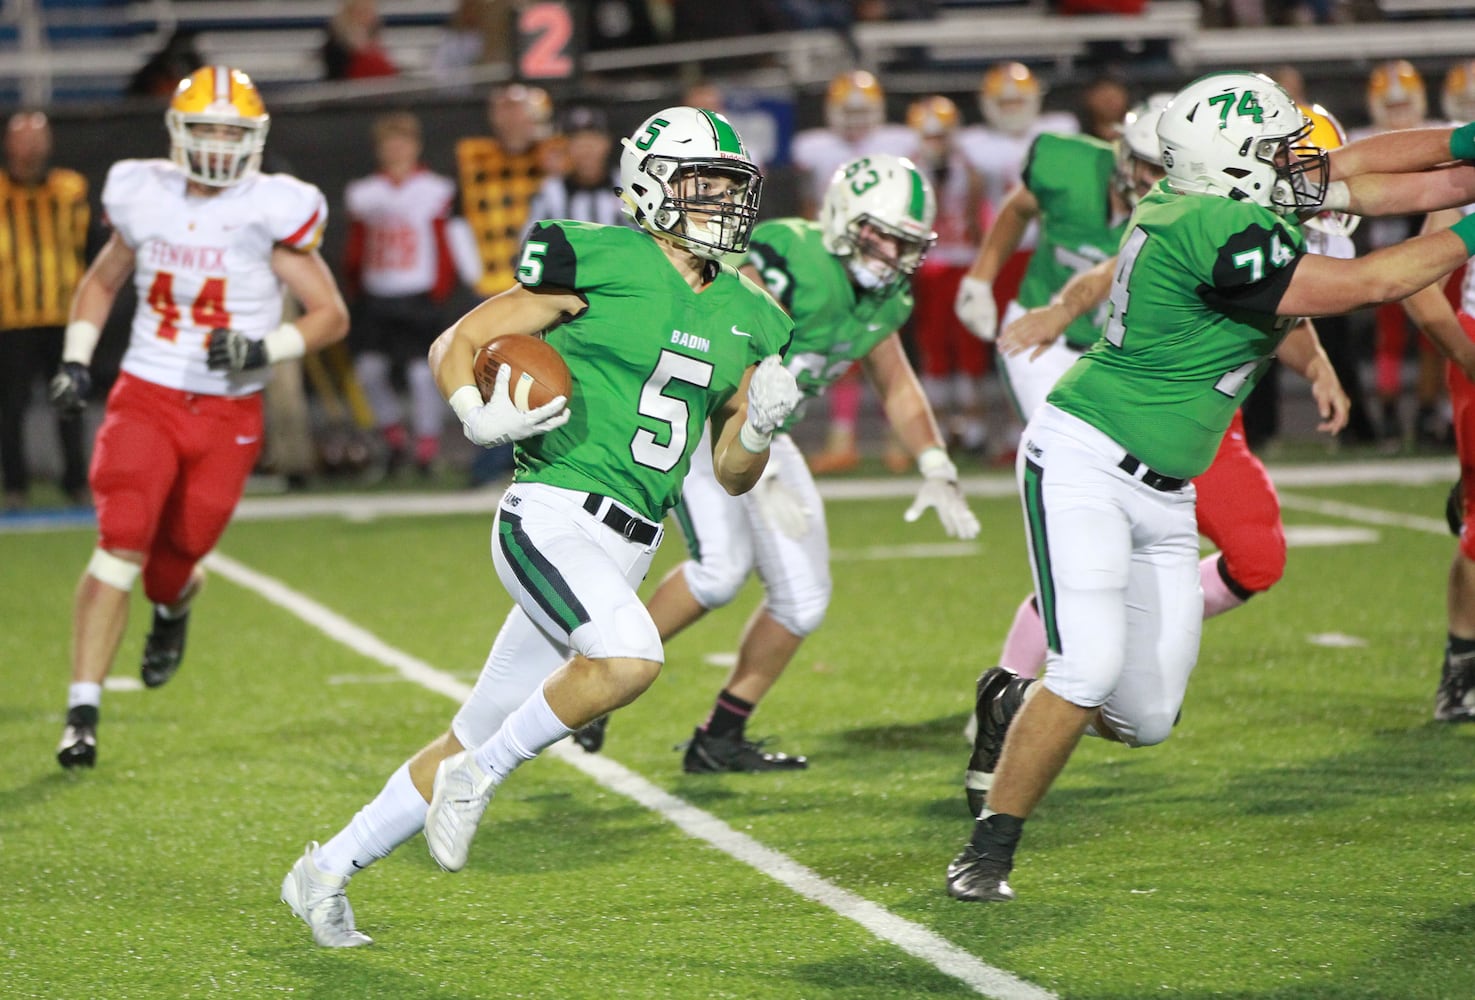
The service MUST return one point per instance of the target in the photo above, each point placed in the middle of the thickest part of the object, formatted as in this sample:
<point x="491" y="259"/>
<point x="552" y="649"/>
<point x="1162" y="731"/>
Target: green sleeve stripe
<point x="546" y="585"/>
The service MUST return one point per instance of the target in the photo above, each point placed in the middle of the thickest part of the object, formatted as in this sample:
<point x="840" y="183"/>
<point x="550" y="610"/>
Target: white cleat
<point x="461" y="793"/>
<point x="320" y="901"/>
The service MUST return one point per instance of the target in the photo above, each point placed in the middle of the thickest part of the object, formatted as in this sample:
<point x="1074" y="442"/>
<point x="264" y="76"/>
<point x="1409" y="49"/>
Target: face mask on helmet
<point x="1459" y="92"/>
<point x="1395" y="96"/>
<point x="877" y="217"/>
<point x="1009" y="98"/>
<point x="217" y="126"/>
<point x="1238" y="135"/>
<point x="1139" y="161"/>
<point x="1326" y="135"/>
<point x="685" y="177"/>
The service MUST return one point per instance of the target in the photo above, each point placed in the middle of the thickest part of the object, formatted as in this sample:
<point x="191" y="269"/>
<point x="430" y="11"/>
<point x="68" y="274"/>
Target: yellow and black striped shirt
<point x="43" y="247"/>
<point x="496" y="191"/>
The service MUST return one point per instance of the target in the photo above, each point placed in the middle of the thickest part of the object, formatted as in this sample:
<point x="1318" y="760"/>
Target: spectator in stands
<point x="585" y="190"/>
<point x="464" y="40"/>
<point x="161" y="74"/>
<point x="499" y="175"/>
<point x="627" y="24"/>
<point x="352" y="50"/>
<point x="44" y="214"/>
<point x="399" y="275"/>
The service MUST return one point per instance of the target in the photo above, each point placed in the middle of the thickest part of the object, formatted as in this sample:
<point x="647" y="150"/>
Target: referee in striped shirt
<point x="43" y="241"/>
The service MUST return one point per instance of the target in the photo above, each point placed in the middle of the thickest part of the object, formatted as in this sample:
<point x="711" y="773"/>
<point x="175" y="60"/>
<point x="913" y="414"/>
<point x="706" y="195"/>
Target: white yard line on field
<point x="911" y="937"/>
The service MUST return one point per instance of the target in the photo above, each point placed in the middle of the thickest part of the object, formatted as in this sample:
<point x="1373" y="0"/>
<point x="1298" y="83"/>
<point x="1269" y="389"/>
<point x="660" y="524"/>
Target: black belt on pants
<point x="634" y="528"/>
<point x="1134" y="467"/>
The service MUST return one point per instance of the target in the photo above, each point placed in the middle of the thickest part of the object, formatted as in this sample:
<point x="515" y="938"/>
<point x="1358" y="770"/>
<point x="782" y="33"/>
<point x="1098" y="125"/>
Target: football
<point x="538" y="371"/>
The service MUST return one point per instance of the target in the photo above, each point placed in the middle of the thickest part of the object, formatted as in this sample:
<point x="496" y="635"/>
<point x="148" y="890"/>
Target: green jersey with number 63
<point x="1192" y="326"/>
<point x="651" y="360"/>
<point x="1070" y="175"/>
<point x="834" y="325"/>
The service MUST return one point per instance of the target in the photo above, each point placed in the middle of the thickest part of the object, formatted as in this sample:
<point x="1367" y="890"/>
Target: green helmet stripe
<point x="918" y="207"/>
<point x="728" y="141"/>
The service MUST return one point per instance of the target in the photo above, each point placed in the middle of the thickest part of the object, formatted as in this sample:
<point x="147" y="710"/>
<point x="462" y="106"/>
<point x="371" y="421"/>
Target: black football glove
<point x="233" y="351"/>
<point x="70" y="387"/>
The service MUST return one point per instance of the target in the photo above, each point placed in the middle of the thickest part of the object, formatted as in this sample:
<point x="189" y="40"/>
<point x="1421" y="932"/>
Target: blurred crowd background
<point x="506" y="111"/>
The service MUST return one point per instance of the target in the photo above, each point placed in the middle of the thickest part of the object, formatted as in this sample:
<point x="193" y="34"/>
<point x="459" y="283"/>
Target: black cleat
<point x="1000" y="695"/>
<point x="78" y="746"/>
<point x="707" y="754"/>
<point x="975" y="877"/>
<point x="1455" y="699"/>
<point x="591" y="737"/>
<point x="163" y="650"/>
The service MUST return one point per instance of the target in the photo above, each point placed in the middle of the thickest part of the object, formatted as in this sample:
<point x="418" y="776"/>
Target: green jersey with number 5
<point x="651" y="360"/>
<point x="1192" y="326"/>
<point x="834" y="324"/>
<point x="1070" y="175"/>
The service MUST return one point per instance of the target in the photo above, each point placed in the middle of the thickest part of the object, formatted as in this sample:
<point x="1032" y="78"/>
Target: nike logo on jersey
<point x="739" y="333"/>
<point x="873" y="327"/>
<point x="245" y="439"/>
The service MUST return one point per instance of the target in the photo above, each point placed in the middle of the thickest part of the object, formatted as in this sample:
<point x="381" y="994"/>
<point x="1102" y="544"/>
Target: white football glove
<point x="499" y="421"/>
<point x="976" y="309"/>
<point x="940" y="490"/>
<point x="772" y="396"/>
<point x="782" y="508"/>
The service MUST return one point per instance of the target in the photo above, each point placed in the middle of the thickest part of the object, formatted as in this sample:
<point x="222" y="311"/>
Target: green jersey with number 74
<point x="1191" y="328"/>
<point x="651" y="360"/>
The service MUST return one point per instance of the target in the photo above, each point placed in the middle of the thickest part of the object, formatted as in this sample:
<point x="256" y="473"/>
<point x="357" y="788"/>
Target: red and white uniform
<point x="397" y="235"/>
<point x="821" y="151"/>
<point x="202" y="263"/>
<point x="945" y="345"/>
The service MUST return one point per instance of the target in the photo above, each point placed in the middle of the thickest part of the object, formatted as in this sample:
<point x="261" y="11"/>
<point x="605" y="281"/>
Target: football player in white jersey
<point x="211" y="244"/>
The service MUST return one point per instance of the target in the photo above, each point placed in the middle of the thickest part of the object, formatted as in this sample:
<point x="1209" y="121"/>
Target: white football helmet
<point x="1232" y="135"/>
<point x="686" y="177"/>
<point x="1139" y="160"/>
<point x="877" y="217"/>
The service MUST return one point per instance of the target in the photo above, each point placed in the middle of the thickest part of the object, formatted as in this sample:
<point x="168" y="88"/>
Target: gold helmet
<point x="1326" y="135"/>
<point x="855" y="102"/>
<point x="1459" y="92"/>
<point x="217" y="126"/>
<point x="934" y="116"/>
<point x="1009" y="97"/>
<point x="1395" y="95"/>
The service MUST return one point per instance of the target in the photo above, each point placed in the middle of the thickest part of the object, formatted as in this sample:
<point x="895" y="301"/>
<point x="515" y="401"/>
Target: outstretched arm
<point x="1396" y="173"/>
<point x="1432" y="313"/>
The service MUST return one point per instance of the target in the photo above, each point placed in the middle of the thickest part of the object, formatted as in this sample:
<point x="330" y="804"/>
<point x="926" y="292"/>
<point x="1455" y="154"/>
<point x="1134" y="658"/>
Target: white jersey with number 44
<point x="204" y="262"/>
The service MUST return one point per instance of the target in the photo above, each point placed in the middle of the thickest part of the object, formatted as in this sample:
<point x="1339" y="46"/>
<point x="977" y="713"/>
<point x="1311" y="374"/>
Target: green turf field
<point x="1305" y="834"/>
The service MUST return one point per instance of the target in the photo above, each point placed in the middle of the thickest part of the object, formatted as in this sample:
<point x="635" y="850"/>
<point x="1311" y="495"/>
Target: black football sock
<point x="729" y="716"/>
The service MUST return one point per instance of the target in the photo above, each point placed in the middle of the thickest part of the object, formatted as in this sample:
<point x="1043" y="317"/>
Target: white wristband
<point x="1338" y="197"/>
<point x="283" y="343"/>
<point x="753" y="440"/>
<point x="464" y="400"/>
<point x="934" y="464"/>
<point x="80" y="341"/>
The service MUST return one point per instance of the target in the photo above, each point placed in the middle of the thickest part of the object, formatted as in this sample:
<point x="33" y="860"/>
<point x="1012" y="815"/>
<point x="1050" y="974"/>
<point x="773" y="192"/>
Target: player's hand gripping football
<point x="70" y="387"/>
<point x="498" y="421"/>
<point x="772" y="396"/>
<point x="976" y="309"/>
<point x="233" y="351"/>
<point x="940" y="490"/>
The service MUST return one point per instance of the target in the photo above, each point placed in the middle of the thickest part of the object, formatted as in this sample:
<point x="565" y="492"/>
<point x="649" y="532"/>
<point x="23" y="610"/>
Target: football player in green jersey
<point x="662" y="340"/>
<point x="1209" y="278"/>
<point x="843" y="280"/>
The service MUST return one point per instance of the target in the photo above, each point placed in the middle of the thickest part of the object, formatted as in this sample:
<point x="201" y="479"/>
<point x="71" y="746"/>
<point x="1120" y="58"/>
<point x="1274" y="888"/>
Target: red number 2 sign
<point x="545" y="35"/>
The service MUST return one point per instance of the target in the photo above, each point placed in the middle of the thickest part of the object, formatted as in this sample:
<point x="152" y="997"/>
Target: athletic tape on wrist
<point x="80" y="341"/>
<point x="934" y="464"/>
<point x="464" y="400"/>
<point x="752" y="439"/>
<point x="284" y="343"/>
